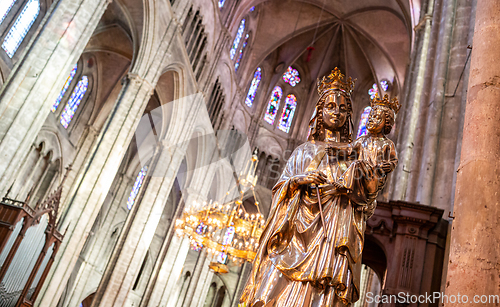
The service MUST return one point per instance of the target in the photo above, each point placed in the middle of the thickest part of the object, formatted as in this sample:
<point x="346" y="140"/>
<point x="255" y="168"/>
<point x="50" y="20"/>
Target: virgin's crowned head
<point x="333" y="109"/>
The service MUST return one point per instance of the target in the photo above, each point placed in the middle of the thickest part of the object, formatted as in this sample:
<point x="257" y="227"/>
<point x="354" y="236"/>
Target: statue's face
<point x="334" y="111"/>
<point x="376" y="121"/>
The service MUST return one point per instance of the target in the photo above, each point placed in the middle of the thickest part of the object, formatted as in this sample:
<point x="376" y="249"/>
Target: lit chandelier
<point x="226" y="229"/>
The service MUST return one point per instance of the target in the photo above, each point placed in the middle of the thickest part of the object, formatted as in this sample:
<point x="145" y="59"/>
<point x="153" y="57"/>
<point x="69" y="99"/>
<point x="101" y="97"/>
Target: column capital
<point x="139" y="80"/>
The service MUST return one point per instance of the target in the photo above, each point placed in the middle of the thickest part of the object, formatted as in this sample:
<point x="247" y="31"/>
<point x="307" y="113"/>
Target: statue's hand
<point x="339" y="187"/>
<point x="386" y="167"/>
<point x="315" y="177"/>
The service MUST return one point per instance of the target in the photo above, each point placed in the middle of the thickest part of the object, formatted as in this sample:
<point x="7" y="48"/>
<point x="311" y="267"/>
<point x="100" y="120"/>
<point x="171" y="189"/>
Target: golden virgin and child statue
<point x="310" y="250"/>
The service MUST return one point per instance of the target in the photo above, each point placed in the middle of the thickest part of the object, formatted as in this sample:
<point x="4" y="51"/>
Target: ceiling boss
<point x="310" y="249"/>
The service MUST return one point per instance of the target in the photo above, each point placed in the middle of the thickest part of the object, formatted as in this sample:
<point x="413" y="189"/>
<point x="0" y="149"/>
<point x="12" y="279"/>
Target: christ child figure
<point x="375" y="153"/>
<point x="375" y="148"/>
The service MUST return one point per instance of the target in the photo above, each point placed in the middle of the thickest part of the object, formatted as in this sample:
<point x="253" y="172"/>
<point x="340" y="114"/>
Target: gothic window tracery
<point x="196" y="41"/>
<point x="21" y="26"/>
<point x="273" y="105"/>
<point x="74" y="101"/>
<point x="5" y="7"/>
<point x="215" y="105"/>
<point x="237" y="39"/>
<point x="288" y="112"/>
<point x="291" y="76"/>
<point x="257" y="76"/>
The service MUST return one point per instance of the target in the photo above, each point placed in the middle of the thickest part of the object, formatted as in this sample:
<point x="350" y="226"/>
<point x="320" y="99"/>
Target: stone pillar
<point x="413" y="109"/>
<point x="203" y="283"/>
<point x="194" y="284"/>
<point x="143" y="220"/>
<point x="33" y="86"/>
<point x="91" y="270"/>
<point x="162" y="289"/>
<point x="474" y="251"/>
<point x="93" y="183"/>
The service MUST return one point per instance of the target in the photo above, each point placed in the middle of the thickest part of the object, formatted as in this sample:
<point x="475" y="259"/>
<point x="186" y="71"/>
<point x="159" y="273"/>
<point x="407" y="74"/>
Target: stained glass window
<point x="291" y="76"/>
<point x="373" y="91"/>
<point x="221" y="3"/>
<point x="65" y="88"/>
<point x="273" y="105"/>
<point x="137" y="185"/>
<point x="74" y="101"/>
<point x="288" y="112"/>
<point x="385" y="85"/>
<point x="257" y="76"/>
<point x="237" y="39"/>
<point x="21" y="27"/>
<point x="245" y="42"/>
<point x="5" y="7"/>
<point x="252" y="9"/>
<point x="228" y="238"/>
<point x="362" y="122"/>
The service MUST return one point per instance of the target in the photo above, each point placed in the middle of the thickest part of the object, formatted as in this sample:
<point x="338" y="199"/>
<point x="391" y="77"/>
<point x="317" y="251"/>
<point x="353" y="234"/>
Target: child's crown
<point x="393" y="103"/>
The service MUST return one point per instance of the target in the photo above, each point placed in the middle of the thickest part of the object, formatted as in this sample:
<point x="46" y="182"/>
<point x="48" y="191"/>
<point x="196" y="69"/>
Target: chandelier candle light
<point x="225" y="228"/>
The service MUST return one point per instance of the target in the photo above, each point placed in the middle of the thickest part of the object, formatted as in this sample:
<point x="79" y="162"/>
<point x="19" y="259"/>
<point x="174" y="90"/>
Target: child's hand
<point x="386" y="167"/>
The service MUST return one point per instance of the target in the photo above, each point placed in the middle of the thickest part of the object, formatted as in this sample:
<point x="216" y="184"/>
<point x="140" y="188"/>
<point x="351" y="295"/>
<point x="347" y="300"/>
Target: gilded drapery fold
<point x="299" y="259"/>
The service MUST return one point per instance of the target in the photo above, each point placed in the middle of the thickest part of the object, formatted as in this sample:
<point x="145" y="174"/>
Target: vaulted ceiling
<point x="368" y="39"/>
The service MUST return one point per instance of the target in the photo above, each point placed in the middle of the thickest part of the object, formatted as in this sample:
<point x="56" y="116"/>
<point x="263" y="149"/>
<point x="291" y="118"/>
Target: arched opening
<point x="219" y="298"/>
<point x="87" y="302"/>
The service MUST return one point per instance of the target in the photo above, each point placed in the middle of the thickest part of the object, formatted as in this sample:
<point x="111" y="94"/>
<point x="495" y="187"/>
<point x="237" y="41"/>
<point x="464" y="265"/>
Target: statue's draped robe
<point x="300" y="261"/>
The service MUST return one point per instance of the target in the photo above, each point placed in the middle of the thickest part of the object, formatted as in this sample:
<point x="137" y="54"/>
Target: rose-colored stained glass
<point x="257" y="76"/>
<point x="291" y="76"/>
<point x="288" y="112"/>
<point x="272" y="106"/>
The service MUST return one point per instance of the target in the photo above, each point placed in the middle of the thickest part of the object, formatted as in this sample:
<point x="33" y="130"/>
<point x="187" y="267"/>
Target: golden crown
<point x="335" y="81"/>
<point x="393" y="103"/>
